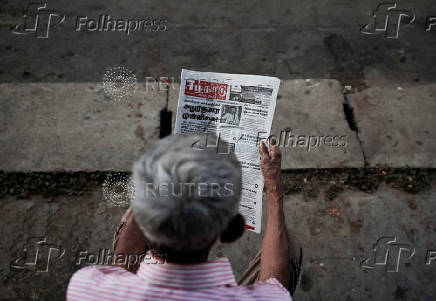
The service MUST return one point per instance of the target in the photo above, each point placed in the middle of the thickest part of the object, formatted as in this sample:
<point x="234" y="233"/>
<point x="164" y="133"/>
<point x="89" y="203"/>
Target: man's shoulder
<point x="101" y="273"/>
<point x="101" y="269"/>
<point x="87" y="280"/>
<point x="270" y="288"/>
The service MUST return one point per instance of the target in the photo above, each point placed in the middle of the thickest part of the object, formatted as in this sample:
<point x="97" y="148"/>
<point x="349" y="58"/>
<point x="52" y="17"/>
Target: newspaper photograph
<point x="239" y="109"/>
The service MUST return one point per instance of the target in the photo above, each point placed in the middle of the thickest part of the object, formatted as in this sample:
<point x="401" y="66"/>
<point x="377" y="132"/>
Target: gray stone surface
<point x="74" y="127"/>
<point x="397" y="124"/>
<point x="68" y="224"/>
<point x="336" y="236"/>
<point x="283" y="38"/>
<point x="313" y="110"/>
<point x="66" y="126"/>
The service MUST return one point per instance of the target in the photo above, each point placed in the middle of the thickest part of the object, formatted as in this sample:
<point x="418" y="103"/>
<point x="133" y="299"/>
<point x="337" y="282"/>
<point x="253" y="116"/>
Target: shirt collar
<point x="188" y="276"/>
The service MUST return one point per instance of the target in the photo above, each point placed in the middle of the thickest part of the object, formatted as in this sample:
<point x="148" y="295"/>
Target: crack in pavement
<point x="350" y="117"/>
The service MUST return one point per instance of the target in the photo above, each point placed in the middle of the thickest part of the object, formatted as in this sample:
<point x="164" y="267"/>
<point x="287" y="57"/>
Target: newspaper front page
<point x="239" y="109"/>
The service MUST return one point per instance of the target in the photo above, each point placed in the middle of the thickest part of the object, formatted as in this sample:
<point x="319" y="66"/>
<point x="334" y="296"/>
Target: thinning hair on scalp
<point x="180" y="219"/>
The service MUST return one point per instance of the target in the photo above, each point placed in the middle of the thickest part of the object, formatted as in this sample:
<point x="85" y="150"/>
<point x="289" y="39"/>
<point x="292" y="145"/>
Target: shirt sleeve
<point x="277" y="286"/>
<point x="79" y="282"/>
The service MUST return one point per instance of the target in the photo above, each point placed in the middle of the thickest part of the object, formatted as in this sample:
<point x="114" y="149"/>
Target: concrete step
<point x="397" y="124"/>
<point x="76" y="127"/>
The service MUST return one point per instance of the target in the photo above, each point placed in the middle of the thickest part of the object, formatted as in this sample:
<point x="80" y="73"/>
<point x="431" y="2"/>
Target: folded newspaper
<point x="239" y="109"/>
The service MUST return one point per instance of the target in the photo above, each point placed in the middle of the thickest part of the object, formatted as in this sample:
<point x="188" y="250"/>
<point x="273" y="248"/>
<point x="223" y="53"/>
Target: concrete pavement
<point x="55" y="117"/>
<point x="337" y="233"/>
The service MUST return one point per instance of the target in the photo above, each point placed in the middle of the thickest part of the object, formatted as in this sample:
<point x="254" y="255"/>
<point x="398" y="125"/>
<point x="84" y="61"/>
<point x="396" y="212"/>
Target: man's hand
<point x="270" y="164"/>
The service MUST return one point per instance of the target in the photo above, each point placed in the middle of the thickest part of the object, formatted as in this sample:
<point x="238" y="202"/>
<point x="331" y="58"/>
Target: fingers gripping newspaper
<point x="239" y="109"/>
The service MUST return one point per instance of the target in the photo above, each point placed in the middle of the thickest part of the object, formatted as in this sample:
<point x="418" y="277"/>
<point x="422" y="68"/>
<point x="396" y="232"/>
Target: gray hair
<point x="181" y="220"/>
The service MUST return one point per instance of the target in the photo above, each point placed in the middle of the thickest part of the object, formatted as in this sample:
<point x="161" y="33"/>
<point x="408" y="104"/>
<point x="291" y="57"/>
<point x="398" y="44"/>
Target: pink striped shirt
<point x="212" y="280"/>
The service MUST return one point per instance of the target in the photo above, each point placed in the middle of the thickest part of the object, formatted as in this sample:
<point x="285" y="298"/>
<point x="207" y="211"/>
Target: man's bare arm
<point x="275" y="246"/>
<point x="131" y="242"/>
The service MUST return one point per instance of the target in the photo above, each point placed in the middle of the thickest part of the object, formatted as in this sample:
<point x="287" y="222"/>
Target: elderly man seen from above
<point x="187" y="199"/>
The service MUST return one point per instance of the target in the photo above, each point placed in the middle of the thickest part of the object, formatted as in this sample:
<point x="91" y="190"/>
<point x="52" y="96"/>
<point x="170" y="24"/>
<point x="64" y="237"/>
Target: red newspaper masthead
<point x="204" y="89"/>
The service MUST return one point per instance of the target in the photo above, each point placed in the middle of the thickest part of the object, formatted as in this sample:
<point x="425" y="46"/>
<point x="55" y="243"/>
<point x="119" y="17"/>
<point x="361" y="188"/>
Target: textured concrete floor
<point x="337" y="234"/>
<point x="54" y="117"/>
<point x="320" y="39"/>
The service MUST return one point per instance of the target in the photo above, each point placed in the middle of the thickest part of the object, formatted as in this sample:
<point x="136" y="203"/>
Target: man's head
<point x="187" y="194"/>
